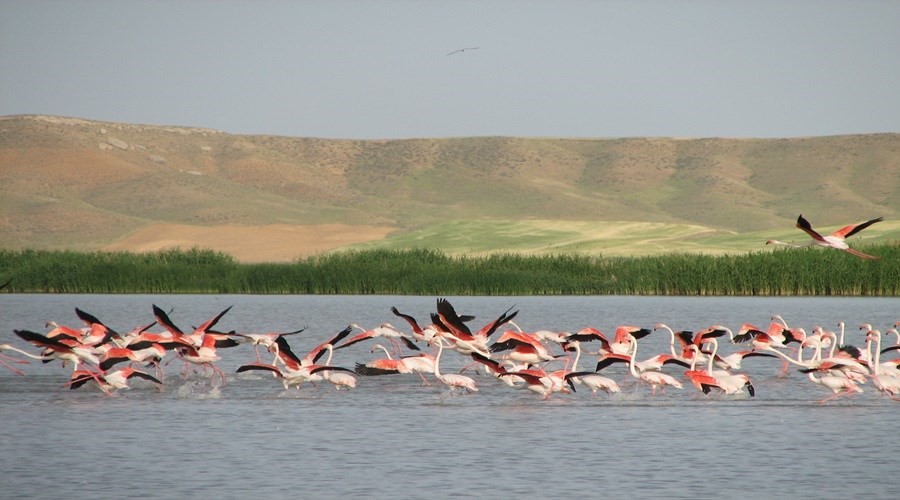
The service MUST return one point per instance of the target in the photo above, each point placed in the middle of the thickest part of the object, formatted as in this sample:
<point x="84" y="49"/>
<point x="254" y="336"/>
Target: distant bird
<point x="461" y="50"/>
<point x="834" y="240"/>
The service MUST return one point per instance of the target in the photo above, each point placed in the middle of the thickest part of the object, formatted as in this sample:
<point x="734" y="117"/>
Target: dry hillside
<point x="81" y="184"/>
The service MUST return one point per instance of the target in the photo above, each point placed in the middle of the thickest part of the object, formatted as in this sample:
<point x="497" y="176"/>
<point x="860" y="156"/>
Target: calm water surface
<point x="394" y="436"/>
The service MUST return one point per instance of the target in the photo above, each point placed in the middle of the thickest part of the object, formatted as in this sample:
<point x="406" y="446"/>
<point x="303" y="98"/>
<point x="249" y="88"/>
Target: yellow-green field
<point x="536" y="237"/>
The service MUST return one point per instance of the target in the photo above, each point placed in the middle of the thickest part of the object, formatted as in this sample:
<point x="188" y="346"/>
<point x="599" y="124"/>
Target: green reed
<point x="431" y="272"/>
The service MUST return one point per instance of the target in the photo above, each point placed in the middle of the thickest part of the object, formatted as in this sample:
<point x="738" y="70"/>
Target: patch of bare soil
<point x="271" y="243"/>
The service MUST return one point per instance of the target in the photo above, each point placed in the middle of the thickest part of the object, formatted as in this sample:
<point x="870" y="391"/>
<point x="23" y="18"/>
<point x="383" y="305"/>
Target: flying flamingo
<point x="290" y="377"/>
<point x="418" y="332"/>
<point x="422" y="363"/>
<point x="266" y="340"/>
<point x="386" y="330"/>
<point x="536" y="381"/>
<point x="526" y="348"/>
<point x="204" y="356"/>
<point x="56" y="349"/>
<point x="150" y="355"/>
<point x="834" y="240"/>
<point x="110" y="381"/>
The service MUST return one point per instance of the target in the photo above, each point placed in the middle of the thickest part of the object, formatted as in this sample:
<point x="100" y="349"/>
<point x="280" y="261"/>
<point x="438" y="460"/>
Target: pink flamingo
<point x="834" y="240"/>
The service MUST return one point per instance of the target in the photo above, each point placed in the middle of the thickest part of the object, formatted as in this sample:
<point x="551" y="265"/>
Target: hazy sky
<point x="379" y="69"/>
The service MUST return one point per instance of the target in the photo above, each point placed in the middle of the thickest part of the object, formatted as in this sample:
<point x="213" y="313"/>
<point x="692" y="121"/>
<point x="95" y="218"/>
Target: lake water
<point x="394" y="436"/>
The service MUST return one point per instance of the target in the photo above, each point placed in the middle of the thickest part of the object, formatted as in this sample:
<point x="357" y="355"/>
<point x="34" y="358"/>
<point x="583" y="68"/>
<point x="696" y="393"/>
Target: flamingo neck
<point x="877" y="360"/>
<point x="631" y="367"/>
<point x="712" y="356"/>
<point x="386" y="352"/>
<point x="577" y="356"/>
<point x="437" y="357"/>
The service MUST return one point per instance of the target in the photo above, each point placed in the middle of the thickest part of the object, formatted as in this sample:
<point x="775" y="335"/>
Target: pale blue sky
<point x="378" y="69"/>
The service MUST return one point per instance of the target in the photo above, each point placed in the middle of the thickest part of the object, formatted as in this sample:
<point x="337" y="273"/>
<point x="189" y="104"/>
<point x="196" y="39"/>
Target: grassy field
<point x="603" y="238"/>
<point x="64" y="186"/>
<point x="428" y="272"/>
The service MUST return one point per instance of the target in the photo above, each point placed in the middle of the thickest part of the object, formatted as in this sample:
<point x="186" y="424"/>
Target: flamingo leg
<point x="14" y="360"/>
<point x="396" y="347"/>
<point x="13" y="369"/>
<point x="835" y="396"/>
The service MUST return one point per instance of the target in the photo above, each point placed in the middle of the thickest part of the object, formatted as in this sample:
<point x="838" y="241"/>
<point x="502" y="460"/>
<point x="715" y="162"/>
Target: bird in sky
<point x="461" y="50"/>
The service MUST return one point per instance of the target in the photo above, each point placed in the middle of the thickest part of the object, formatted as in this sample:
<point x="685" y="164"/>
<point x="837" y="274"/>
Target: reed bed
<point x="431" y="272"/>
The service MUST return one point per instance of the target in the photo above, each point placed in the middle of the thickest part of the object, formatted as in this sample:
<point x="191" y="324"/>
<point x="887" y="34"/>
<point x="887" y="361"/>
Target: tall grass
<point x="431" y="272"/>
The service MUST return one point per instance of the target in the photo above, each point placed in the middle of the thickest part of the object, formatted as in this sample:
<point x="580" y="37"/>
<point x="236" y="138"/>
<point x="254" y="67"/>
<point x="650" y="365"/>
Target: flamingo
<point x="590" y="334"/>
<point x="97" y="333"/>
<point x="56" y="349"/>
<point x="684" y="337"/>
<point x="266" y="340"/>
<point x="204" y="356"/>
<point x="536" y="381"/>
<point x="385" y="366"/>
<point x="292" y="377"/>
<point x="526" y="348"/>
<point x="838" y="384"/>
<point x="338" y="378"/>
<point x="834" y="240"/>
<point x="110" y="381"/>
<point x="731" y="383"/>
<point x="418" y="333"/>
<point x="888" y="382"/>
<point x="592" y="380"/>
<point x="461" y="337"/>
<point x="452" y="380"/>
<point x="654" y="378"/>
<point x="545" y="335"/>
<point x="701" y="379"/>
<point x="461" y="50"/>
<point x="734" y="360"/>
<point x="386" y="330"/>
<point x="150" y="355"/>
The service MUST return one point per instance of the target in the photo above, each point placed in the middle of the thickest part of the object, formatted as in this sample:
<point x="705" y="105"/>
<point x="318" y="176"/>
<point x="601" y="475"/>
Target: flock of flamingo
<point x="544" y="362"/>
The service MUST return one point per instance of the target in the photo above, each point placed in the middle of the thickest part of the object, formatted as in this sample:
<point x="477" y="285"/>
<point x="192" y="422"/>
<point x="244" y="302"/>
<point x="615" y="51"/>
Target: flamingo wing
<point x="203" y="328"/>
<point x="409" y="319"/>
<point x="452" y="320"/>
<point x="144" y="376"/>
<point x="374" y="371"/>
<point x="260" y="366"/>
<point x="322" y="368"/>
<point x="807" y="228"/>
<point x="491" y="327"/>
<point x="163" y="319"/>
<point x="610" y="359"/>
<point x="848" y="231"/>
<point x="41" y="340"/>
<point x="410" y="344"/>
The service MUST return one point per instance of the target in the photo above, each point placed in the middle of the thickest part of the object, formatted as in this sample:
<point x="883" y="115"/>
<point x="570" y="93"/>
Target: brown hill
<point x="68" y="183"/>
